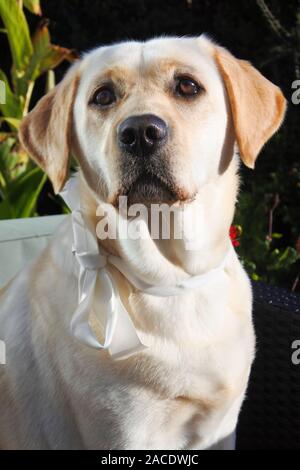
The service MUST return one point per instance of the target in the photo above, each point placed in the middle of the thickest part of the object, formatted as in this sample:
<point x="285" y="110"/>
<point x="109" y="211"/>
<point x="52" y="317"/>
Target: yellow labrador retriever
<point x="161" y="121"/>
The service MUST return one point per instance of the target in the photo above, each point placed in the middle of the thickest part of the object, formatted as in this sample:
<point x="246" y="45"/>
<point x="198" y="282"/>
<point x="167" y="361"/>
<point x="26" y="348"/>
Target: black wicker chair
<point x="270" y="417"/>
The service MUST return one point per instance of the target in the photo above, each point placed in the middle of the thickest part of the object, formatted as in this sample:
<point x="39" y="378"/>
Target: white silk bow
<point x="120" y="336"/>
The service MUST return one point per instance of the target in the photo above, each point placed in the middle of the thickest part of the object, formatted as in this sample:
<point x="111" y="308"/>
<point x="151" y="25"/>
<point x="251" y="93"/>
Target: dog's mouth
<point x="149" y="188"/>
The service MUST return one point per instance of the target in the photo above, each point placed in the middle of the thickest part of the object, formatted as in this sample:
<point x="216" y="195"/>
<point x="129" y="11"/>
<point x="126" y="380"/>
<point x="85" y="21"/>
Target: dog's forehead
<point x="159" y="54"/>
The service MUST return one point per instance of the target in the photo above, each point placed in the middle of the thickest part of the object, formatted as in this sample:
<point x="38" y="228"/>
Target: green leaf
<point x="5" y="160"/>
<point x="55" y="56"/>
<point x="288" y="257"/>
<point x="24" y="192"/>
<point x="35" y="186"/>
<point x="33" y="6"/>
<point x="13" y="106"/>
<point x="50" y="82"/>
<point x="6" y="210"/>
<point x="46" y="56"/>
<point x="5" y="136"/>
<point x="277" y="235"/>
<point x="283" y="259"/>
<point x="19" y="40"/>
<point x="13" y="160"/>
<point x="15" y="123"/>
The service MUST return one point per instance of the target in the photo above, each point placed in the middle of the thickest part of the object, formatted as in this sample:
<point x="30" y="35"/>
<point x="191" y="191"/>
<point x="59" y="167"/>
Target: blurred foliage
<point x="266" y="32"/>
<point x="21" y="181"/>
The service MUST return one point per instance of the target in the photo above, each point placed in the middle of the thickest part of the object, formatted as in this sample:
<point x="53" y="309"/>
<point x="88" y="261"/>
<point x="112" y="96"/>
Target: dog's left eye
<point x="105" y="96"/>
<point x="187" y="87"/>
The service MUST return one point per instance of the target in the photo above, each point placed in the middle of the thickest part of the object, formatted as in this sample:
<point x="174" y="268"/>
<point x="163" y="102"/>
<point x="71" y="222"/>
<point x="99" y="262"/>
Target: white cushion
<point x="21" y="240"/>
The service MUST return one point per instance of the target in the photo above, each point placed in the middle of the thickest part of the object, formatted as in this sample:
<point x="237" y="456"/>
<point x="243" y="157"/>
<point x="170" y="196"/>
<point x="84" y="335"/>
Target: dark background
<point x="244" y="29"/>
<point x="270" y="417"/>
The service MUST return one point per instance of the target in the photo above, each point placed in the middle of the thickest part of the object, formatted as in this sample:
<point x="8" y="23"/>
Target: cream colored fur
<point x="186" y="389"/>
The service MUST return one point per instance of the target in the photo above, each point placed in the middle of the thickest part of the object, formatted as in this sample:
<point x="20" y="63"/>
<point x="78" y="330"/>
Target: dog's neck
<point x="161" y="268"/>
<point x="169" y="259"/>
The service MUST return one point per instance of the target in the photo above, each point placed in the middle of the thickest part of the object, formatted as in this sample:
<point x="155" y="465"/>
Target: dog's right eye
<point x="104" y="96"/>
<point x="186" y="87"/>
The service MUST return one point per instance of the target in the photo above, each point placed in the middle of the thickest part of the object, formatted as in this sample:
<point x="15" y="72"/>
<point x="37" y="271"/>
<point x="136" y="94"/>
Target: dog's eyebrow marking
<point x="170" y="64"/>
<point x="119" y="75"/>
<point x="125" y="77"/>
<point x="167" y="66"/>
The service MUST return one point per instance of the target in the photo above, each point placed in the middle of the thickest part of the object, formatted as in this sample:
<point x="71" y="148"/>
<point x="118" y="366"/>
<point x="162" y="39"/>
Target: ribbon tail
<point x="124" y="341"/>
<point x="121" y="337"/>
<point x="80" y="326"/>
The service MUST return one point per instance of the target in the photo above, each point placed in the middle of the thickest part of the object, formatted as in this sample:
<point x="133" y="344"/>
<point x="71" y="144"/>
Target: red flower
<point x="234" y="233"/>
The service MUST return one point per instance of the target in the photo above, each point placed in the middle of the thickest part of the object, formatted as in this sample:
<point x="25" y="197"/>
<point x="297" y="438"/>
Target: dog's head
<point x="154" y="120"/>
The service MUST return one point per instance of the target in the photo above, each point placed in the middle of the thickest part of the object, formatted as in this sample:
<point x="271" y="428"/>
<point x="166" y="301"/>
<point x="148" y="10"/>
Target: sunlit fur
<point x="185" y="390"/>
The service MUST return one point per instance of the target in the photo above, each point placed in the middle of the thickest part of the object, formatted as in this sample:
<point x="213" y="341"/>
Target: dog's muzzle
<point x="146" y="176"/>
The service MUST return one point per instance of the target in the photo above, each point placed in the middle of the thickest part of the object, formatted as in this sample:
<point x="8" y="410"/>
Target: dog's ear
<point x="45" y="132"/>
<point x="257" y="105"/>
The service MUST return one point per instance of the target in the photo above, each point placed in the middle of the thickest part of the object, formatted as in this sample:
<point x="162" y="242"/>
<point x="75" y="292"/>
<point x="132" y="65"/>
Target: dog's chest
<point x="181" y="400"/>
<point x="194" y="370"/>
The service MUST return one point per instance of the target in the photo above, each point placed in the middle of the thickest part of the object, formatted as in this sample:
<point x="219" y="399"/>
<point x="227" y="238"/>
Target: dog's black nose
<point x="142" y="134"/>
